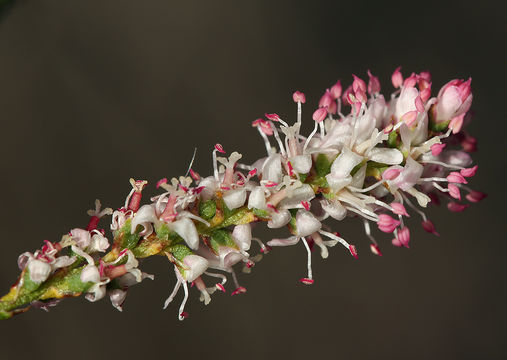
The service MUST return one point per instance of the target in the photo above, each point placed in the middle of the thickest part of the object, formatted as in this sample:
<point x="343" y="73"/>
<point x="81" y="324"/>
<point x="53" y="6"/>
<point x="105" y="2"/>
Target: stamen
<point x="310" y="137"/>
<point x="309" y="259"/>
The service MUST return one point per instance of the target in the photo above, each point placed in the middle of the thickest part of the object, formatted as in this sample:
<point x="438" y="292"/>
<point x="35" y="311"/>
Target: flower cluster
<point x="385" y="157"/>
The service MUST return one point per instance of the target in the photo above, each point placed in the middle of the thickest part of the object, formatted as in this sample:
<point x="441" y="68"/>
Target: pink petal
<point x="469" y="172"/>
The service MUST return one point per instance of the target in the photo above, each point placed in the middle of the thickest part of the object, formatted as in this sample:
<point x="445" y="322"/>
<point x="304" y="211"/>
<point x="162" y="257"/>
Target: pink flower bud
<point x="454" y="191"/>
<point x="429" y="227"/>
<point x="399" y="209"/>
<point x="358" y="84"/>
<point x="373" y="84"/>
<point x="336" y="90"/>
<point x="456" y="177"/>
<point x="436" y="149"/>
<point x="456" y="207"/>
<point x="386" y="223"/>
<point x="298" y="96"/>
<point x="475" y="196"/>
<point x="397" y="78"/>
<point x="454" y="99"/>
<point x="326" y="99"/>
<point x="403" y="238"/>
<point x="319" y="115"/>
<point x="469" y="172"/>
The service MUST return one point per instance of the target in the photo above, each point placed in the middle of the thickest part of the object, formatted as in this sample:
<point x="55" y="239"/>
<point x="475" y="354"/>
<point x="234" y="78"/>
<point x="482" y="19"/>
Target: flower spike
<point x="384" y="161"/>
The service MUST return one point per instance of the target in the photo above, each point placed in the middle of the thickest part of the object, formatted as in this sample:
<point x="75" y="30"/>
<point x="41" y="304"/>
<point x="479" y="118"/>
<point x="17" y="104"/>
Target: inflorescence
<point x="377" y="162"/>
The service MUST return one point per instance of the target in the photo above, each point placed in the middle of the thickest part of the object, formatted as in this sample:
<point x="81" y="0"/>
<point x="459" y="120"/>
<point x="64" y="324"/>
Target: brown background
<point x="92" y="93"/>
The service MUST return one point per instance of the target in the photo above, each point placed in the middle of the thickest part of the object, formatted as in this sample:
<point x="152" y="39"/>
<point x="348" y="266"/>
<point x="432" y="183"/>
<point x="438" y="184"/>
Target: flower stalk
<point x="381" y="162"/>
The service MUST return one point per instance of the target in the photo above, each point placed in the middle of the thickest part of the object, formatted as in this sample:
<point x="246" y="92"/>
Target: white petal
<point x="90" y="274"/>
<point x="145" y="217"/>
<point x="338" y="183"/>
<point x="117" y="297"/>
<point x="408" y="177"/>
<point x="39" y="270"/>
<point x="99" y="243"/>
<point x="235" y="198"/>
<point x="344" y="163"/>
<point x="284" y="242"/>
<point x="335" y="209"/>
<point x="63" y="261"/>
<point x="242" y="235"/>
<point x="306" y="223"/>
<point x="196" y="266"/>
<point x="210" y="186"/>
<point x="296" y="196"/>
<point x="386" y="156"/>
<point x="257" y="199"/>
<point x="81" y="237"/>
<point x="186" y="229"/>
<point x="279" y="219"/>
<point x="358" y="178"/>
<point x="272" y="169"/>
<point x="301" y="163"/>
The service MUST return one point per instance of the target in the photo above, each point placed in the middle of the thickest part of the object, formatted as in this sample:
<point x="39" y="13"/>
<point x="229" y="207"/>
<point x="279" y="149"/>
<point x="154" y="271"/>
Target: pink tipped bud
<point x="326" y="99"/>
<point x="298" y="96"/>
<point x="456" y="207"/>
<point x="252" y="172"/>
<point x="219" y="148"/>
<point x="161" y="182"/>
<point x="386" y="223"/>
<point x="373" y="84"/>
<point x="409" y="118"/>
<point x="272" y="117"/>
<point x="456" y="177"/>
<point x="397" y="78"/>
<point x="375" y="249"/>
<point x="454" y="191"/>
<point x="402" y="238"/>
<point x="399" y="209"/>
<point x="436" y="149"/>
<point x="469" y="172"/>
<point x="220" y="287"/>
<point x="306" y="281"/>
<point x="358" y="84"/>
<point x="319" y="115"/>
<point x="391" y="173"/>
<point x="336" y="90"/>
<point x="475" y="196"/>
<point x="429" y="227"/>
<point x="353" y="251"/>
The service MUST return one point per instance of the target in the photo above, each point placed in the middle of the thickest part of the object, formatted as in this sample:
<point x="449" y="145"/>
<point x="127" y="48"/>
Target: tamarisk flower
<point x="383" y="161"/>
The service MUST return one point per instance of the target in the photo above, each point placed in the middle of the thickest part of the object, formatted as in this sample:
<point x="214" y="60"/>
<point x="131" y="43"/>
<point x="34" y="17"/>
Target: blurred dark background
<point x="92" y="93"/>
